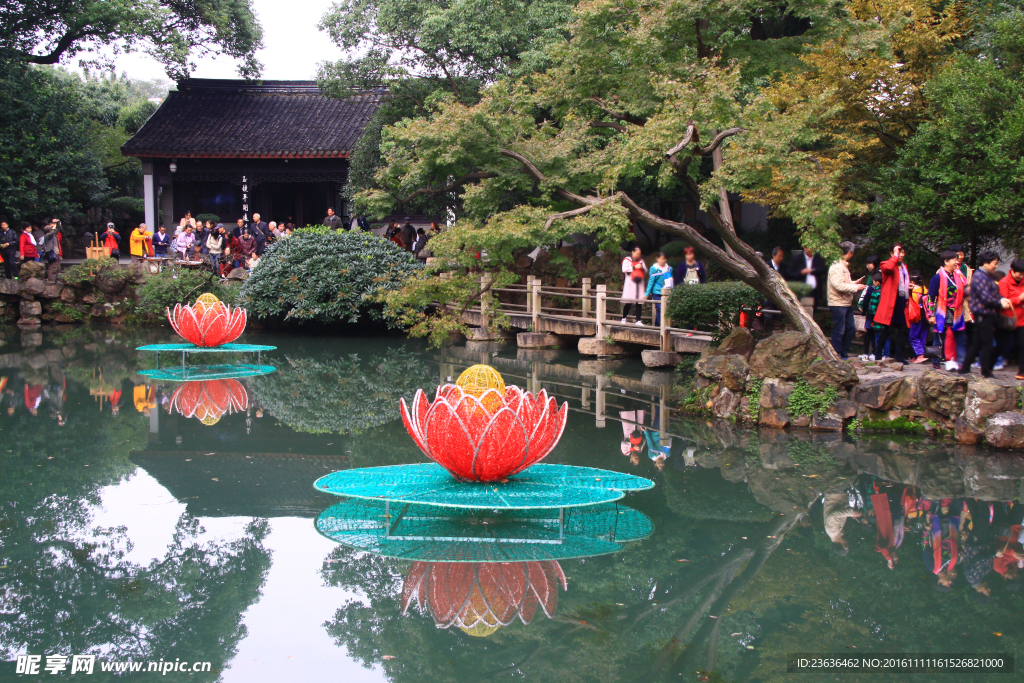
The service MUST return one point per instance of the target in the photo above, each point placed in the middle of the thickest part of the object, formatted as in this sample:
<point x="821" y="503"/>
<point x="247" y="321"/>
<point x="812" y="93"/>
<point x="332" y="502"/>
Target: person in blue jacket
<point x="659" y="278"/>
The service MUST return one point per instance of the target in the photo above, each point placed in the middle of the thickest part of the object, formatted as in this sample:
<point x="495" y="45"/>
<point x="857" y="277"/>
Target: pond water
<point x="136" y="533"/>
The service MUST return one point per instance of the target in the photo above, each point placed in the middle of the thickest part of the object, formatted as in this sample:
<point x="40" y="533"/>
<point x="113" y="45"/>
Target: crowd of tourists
<point x="222" y="248"/>
<point x="31" y="242"/>
<point x="980" y="540"/>
<point x="975" y="317"/>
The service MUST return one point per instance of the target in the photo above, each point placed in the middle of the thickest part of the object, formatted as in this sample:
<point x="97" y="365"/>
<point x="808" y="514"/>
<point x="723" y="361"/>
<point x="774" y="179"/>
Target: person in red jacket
<point x="1012" y="287"/>
<point x="892" y="306"/>
<point x="27" y="245"/>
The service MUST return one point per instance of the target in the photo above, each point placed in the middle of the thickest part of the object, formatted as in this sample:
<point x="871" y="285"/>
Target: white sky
<point x="293" y="46"/>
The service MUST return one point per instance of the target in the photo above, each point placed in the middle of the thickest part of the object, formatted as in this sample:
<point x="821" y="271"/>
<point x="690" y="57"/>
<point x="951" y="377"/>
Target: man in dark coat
<point x="408" y="234"/>
<point x="810" y="268"/>
<point x="258" y="226"/>
<point x="333" y="221"/>
<point x="9" y="249"/>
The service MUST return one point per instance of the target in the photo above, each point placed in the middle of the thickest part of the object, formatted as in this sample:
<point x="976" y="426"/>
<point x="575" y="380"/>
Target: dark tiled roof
<point x="239" y="119"/>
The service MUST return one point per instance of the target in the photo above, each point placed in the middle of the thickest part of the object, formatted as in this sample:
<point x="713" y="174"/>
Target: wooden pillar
<point x="536" y="305"/>
<point x="529" y="294"/>
<point x="585" y="291"/>
<point x="663" y="413"/>
<point x="149" y="195"/>
<point x="602" y="304"/>
<point x="485" y="303"/>
<point x="666" y="336"/>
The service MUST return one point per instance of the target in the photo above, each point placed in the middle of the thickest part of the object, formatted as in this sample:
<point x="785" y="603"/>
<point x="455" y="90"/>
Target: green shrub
<point x="805" y="399"/>
<point x="177" y="286"/>
<point x="711" y="306"/>
<point x="801" y="289"/>
<point x="203" y="217"/>
<point x="326" y="276"/>
<point x="91" y="269"/>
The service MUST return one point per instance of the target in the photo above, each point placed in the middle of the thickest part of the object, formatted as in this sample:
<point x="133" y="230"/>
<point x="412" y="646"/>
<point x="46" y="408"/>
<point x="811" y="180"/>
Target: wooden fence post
<point x="529" y="294"/>
<point x="535" y="295"/>
<point x="585" y="290"/>
<point x="602" y="304"/>
<point x="666" y="336"/>
<point x="485" y="302"/>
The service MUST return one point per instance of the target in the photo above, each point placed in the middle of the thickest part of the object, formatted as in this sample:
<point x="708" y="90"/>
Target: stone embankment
<point x="30" y="300"/>
<point x="782" y="382"/>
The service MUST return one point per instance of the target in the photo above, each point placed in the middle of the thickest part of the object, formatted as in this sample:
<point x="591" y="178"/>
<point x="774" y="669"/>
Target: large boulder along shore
<point x="752" y="382"/>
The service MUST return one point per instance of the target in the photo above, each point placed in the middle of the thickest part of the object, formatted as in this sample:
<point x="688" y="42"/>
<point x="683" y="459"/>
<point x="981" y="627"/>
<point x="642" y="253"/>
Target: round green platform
<point x="186" y="373"/>
<point x="429" y="533"/>
<point x="543" y="486"/>
<point x="187" y="347"/>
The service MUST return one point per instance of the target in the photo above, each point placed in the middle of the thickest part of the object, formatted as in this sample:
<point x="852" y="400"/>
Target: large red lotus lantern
<point x="210" y="400"/>
<point x="480" y="431"/>
<point x="208" y="322"/>
<point x="481" y="597"/>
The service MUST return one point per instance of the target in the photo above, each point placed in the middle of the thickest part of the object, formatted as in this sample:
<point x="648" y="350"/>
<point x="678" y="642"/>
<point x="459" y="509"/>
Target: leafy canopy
<point x="174" y="33"/>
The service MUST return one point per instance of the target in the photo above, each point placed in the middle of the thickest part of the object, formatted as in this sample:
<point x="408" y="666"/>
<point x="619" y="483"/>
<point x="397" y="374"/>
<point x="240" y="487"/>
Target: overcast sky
<point x="293" y="46"/>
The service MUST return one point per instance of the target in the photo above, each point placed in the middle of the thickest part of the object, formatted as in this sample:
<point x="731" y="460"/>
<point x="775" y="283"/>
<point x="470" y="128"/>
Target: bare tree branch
<point x="617" y="115"/>
<point x="541" y="178"/>
<point x="608" y="124"/>
<point x="728" y="132"/>
<point x="692" y="135"/>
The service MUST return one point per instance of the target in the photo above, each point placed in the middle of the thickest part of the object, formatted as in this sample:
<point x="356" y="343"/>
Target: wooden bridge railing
<point x="584" y="303"/>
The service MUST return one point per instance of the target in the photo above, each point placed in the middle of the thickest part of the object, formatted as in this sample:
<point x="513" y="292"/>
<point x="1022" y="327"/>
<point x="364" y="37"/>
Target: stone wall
<point x="752" y="383"/>
<point x="30" y="300"/>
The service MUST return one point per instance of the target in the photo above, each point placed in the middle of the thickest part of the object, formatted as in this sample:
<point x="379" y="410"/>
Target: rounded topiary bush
<point x="326" y="276"/>
<point x="711" y="306"/>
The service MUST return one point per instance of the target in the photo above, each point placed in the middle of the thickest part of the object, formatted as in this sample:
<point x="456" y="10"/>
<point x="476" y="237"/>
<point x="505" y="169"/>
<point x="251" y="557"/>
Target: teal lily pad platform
<point x="543" y="486"/>
<point x="185" y="372"/>
<point x="188" y="373"/>
<point x="432" y="534"/>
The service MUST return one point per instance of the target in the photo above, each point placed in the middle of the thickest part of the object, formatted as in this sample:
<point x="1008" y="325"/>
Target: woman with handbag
<point x="634" y="271"/>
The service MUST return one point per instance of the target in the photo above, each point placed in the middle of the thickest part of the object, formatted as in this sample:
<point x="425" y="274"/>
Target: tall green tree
<point x="421" y="50"/>
<point x="175" y="33"/>
<point x="661" y="96"/>
<point x="48" y="159"/>
<point x="959" y="177"/>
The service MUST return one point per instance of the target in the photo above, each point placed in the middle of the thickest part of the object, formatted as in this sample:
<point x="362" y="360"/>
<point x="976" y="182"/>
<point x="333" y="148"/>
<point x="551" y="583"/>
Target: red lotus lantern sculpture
<point x="208" y="322"/>
<point x="480" y="431"/>
<point x="210" y="400"/>
<point x="481" y="597"/>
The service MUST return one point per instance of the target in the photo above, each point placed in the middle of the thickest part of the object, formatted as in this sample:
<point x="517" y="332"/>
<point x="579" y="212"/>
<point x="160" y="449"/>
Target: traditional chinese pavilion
<point x="235" y="147"/>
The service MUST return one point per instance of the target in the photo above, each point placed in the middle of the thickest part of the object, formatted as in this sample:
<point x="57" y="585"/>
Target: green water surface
<point x="138" y="534"/>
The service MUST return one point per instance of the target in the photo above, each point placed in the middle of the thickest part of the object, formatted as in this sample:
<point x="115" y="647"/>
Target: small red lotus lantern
<point x="208" y="322"/>
<point x="480" y="431"/>
<point x="481" y="597"/>
<point x="210" y="400"/>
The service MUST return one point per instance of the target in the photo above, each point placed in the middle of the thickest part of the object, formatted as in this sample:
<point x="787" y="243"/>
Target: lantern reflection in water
<point x="481" y="597"/>
<point x="210" y="400"/>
